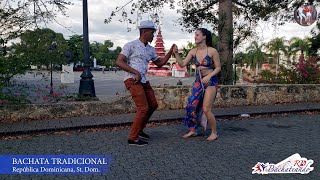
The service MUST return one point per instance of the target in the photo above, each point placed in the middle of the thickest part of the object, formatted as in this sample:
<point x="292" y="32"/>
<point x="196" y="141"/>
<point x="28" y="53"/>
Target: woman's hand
<point x="206" y="79"/>
<point x="175" y="48"/>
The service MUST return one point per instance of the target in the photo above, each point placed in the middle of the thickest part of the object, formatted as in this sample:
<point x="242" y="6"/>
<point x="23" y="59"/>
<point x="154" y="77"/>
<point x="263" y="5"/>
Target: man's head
<point x="147" y="30"/>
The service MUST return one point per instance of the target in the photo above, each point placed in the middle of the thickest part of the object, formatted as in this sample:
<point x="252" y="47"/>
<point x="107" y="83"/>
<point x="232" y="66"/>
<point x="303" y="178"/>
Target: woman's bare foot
<point x="189" y="134"/>
<point x="212" y="137"/>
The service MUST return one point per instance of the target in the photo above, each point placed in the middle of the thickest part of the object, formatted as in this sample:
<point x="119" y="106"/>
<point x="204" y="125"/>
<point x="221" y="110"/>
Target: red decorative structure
<point x="165" y="70"/>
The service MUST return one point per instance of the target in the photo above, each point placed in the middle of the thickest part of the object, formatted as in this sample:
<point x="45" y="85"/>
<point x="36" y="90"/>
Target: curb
<point x="20" y="129"/>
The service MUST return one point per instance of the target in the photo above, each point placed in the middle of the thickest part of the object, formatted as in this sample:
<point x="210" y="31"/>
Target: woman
<point x="308" y="14"/>
<point x="206" y="59"/>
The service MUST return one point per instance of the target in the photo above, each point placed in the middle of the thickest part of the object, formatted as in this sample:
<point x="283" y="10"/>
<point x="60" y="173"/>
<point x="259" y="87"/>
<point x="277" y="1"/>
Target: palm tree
<point x="289" y="53"/>
<point x="299" y="44"/>
<point x="255" y="55"/>
<point x="239" y="59"/>
<point x="275" y="46"/>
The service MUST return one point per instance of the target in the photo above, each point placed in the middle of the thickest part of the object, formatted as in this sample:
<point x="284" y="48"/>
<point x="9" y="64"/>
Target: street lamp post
<point x="86" y="87"/>
<point x="52" y="47"/>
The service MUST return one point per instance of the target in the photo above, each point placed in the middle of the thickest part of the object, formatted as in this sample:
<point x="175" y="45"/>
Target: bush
<point x="306" y="71"/>
<point x="267" y="76"/>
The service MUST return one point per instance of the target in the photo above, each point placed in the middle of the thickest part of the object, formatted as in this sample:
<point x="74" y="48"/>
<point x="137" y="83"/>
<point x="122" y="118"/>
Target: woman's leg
<point x="193" y="108"/>
<point x="209" y="97"/>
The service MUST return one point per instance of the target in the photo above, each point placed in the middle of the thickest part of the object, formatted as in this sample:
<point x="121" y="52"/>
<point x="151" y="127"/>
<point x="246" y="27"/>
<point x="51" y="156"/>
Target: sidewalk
<point x="159" y="116"/>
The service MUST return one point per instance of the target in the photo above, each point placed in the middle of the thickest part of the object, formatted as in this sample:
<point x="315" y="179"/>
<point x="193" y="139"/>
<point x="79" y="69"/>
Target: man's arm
<point x="162" y="61"/>
<point x="122" y="63"/>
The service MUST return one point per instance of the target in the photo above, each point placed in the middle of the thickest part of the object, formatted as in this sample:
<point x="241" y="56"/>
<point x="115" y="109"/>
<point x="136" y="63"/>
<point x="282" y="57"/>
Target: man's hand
<point x="136" y="76"/>
<point x="174" y="48"/>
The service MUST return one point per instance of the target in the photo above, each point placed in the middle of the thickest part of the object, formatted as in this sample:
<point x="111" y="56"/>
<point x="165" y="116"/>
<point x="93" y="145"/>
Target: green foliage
<point x="275" y="46"/>
<point x="37" y="47"/>
<point x="103" y="54"/>
<point x="75" y="45"/>
<point x="299" y="44"/>
<point x="255" y="55"/>
<point x="10" y="66"/>
<point x="240" y="58"/>
<point x="267" y="77"/>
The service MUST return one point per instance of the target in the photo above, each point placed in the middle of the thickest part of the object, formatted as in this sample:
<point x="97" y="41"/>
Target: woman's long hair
<point x="208" y="35"/>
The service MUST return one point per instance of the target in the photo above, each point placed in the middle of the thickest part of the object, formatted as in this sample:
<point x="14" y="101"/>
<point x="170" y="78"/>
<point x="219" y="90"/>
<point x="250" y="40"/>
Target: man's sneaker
<point x="138" y="142"/>
<point x="143" y="135"/>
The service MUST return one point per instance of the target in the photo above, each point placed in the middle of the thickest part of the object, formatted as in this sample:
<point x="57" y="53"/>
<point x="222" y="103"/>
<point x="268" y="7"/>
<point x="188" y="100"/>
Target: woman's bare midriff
<point x="205" y="72"/>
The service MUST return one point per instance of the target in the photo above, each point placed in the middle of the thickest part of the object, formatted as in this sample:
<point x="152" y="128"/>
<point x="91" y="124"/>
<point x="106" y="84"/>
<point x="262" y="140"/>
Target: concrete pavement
<point x="242" y="143"/>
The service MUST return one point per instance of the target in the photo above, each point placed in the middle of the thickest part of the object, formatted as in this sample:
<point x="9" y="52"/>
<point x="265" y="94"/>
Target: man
<point x="134" y="59"/>
<point x="300" y="13"/>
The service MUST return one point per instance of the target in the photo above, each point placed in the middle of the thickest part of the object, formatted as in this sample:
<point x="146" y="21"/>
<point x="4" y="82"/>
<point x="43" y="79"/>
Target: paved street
<point x="242" y="143"/>
<point x="106" y="85"/>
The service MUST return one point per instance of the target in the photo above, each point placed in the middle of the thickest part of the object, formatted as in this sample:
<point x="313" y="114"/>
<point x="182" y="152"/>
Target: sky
<point x="117" y="32"/>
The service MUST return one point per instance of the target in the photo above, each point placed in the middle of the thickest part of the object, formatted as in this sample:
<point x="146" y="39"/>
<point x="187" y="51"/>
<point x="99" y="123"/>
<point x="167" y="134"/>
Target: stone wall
<point x="169" y="98"/>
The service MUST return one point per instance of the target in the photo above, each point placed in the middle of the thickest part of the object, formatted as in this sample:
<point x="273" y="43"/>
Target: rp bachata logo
<point x="293" y="164"/>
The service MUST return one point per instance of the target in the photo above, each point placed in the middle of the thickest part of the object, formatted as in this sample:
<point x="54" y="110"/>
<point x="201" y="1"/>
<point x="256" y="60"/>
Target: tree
<point x="299" y="44"/>
<point x="21" y="15"/>
<point x="10" y="65"/>
<point x="289" y="53"/>
<point x="101" y="51"/>
<point x="35" y="47"/>
<point x="112" y="56"/>
<point x="75" y="45"/>
<point x="234" y="20"/>
<point x="256" y="56"/>
<point x="276" y="46"/>
<point x="240" y="58"/>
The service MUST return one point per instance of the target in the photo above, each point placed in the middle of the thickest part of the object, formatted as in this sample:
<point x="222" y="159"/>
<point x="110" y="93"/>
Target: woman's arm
<point x="183" y="63"/>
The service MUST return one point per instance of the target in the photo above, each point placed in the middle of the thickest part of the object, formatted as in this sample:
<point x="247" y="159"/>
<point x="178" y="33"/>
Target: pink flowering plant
<point x="308" y="70"/>
<point x="305" y="71"/>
